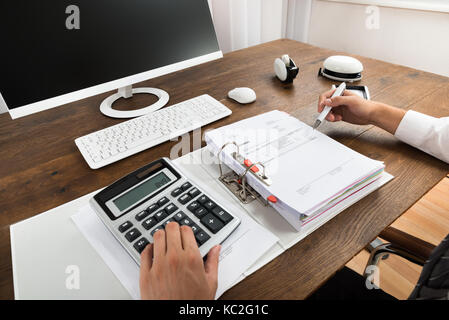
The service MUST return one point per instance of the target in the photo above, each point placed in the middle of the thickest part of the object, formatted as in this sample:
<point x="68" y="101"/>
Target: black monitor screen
<point x="50" y="48"/>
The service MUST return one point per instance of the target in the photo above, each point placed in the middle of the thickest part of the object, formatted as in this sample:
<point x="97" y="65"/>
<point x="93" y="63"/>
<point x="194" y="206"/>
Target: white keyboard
<point x="117" y="142"/>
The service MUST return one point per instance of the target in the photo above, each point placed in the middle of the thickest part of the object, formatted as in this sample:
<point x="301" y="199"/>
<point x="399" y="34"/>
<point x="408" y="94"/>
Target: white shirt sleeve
<point x="426" y="133"/>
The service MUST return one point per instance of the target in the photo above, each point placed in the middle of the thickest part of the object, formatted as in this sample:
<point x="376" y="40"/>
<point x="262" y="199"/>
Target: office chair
<point x="433" y="282"/>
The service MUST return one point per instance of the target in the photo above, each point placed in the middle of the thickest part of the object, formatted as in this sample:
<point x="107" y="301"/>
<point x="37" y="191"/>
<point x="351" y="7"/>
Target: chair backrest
<point x="433" y="282"/>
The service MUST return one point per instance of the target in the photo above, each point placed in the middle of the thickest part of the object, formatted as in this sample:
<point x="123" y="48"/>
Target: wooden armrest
<point x="420" y="248"/>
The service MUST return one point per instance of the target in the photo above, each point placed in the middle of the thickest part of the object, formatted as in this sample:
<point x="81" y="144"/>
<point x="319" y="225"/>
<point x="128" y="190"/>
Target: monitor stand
<point x="127" y="92"/>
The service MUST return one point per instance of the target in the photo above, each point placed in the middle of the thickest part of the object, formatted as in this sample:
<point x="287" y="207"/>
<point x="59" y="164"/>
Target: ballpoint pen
<point x="341" y="88"/>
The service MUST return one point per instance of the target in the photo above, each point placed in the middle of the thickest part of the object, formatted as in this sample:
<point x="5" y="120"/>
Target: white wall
<point x="415" y="38"/>
<point x="243" y="23"/>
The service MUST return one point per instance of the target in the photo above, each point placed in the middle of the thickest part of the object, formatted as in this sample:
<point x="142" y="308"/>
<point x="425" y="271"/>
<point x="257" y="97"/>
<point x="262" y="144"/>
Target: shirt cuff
<point x="414" y="128"/>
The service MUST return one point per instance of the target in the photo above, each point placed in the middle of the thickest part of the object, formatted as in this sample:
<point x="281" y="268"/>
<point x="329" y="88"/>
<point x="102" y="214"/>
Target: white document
<point x="243" y="248"/>
<point x="307" y="168"/>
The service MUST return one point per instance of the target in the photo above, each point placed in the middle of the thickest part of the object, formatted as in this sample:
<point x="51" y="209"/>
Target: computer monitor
<point x="56" y="52"/>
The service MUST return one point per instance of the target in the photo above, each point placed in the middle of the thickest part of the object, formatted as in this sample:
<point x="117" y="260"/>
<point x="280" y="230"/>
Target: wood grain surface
<point x="41" y="168"/>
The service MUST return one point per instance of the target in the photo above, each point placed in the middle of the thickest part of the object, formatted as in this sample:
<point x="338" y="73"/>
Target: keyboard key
<point x="162" y="201"/>
<point x="186" y="186"/>
<point x="149" y="223"/>
<point x="125" y="226"/>
<point x="195" y="228"/>
<point x="186" y="222"/>
<point x="209" y="205"/>
<point x="160" y="215"/>
<point x="223" y="215"/>
<point x="193" y="206"/>
<point x="176" y="192"/>
<point x="171" y="208"/>
<point x="200" y="212"/>
<point x="161" y="227"/>
<point x="194" y="192"/>
<point x="141" y="244"/>
<point x="201" y="237"/>
<point x="184" y="198"/>
<point x="153" y="207"/>
<point x="142" y="215"/>
<point x="203" y="199"/>
<point x="168" y="221"/>
<point x="212" y="223"/>
<point x="132" y="235"/>
<point x="179" y="216"/>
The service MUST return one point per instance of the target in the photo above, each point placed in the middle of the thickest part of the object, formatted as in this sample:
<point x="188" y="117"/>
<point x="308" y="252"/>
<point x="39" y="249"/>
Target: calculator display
<point x="141" y="191"/>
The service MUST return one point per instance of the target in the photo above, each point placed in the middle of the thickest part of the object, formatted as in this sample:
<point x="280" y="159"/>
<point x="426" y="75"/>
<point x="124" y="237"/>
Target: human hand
<point x="354" y="109"/>
<point x="172" y="268"/>
<point x="349" y="107"/>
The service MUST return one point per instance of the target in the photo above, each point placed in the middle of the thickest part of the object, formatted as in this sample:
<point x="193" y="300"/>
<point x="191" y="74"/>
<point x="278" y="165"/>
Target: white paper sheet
<point x="307" y="168"/>
<point x="241" y="250"/>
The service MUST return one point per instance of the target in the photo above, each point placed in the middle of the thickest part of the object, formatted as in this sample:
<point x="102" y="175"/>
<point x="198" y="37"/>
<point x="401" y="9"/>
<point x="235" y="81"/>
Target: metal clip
<point x="237" y="183"/>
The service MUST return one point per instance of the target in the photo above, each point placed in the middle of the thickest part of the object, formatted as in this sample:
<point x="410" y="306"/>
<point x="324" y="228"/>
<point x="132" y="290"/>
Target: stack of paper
<point x="310" y="172"/>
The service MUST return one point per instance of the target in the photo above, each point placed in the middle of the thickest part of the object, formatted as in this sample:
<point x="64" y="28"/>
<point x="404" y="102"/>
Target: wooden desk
<point x="41" y="167"/>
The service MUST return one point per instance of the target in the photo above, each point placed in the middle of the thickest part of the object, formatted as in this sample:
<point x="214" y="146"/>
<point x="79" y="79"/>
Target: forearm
<point x="426" y="133"/>
<point x="387" y="117"/>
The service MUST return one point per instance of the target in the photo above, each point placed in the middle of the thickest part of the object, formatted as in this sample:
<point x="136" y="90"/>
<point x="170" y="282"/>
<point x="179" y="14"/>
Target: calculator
<point x="143" y="202"/>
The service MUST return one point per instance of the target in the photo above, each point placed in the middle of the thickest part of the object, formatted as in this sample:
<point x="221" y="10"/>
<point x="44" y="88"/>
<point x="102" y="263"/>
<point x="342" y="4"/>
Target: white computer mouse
<point x="242" y="95"/>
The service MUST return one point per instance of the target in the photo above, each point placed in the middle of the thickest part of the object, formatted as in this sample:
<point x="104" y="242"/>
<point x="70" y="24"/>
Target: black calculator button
<point x="193" y="206"/>
<point x="162" y="201"/>
<point x="179" y="216"/>
<point x="203" y="199"/>
<point x="132" y="235"/>
<point x="186" y="186"/>
<point x="161" y="227"/>
<point x="168" y="221"/>
<point x="209" y="205"/>
<point x="195" y="228"/>
<point x="160" y="215"/>
<point x="201" y="237"/>
<point x="186" y="222"/>
<point x="212" y="223"/>
<point x="200" y="212"/>
<point x="125" y="226"/>
<point x="176" y="192"/>
<point x="194" y="192"/>
<point x="149" y="223"/>
<point x="142" y="215"/>
<point x="153" y="207"/>
<point x="184" y="198"/>
<point x="171" y="208"/>
<point x="141" y="244"/>
<point x="223" y="215"/>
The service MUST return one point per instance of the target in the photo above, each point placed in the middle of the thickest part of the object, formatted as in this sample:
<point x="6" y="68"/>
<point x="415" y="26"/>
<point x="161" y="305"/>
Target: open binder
<point x="283" y="163"/>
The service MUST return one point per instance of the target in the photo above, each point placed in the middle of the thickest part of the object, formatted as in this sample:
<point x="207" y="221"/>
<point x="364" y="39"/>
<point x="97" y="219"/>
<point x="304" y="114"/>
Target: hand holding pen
<point x="338" y="92"/>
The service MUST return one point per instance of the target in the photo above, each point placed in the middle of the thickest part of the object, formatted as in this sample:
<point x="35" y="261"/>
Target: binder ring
<point x="255" y="164"/>
<point x="243" y="177"/>
<point x="221" y="150"/>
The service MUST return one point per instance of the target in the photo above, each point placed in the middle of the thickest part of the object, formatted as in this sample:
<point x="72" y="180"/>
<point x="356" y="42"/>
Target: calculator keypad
<point x="161" y="212"/>
<point x="212" y="223"/>
<point x="201" y="237"/>
<point x="132" y="235"/>
<point x="141" y="244"/>
<point x="125" y="226"/>
<point x="160" y="215"/>
<point x="149" y="223"/>
<point x="142" y="215"/>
